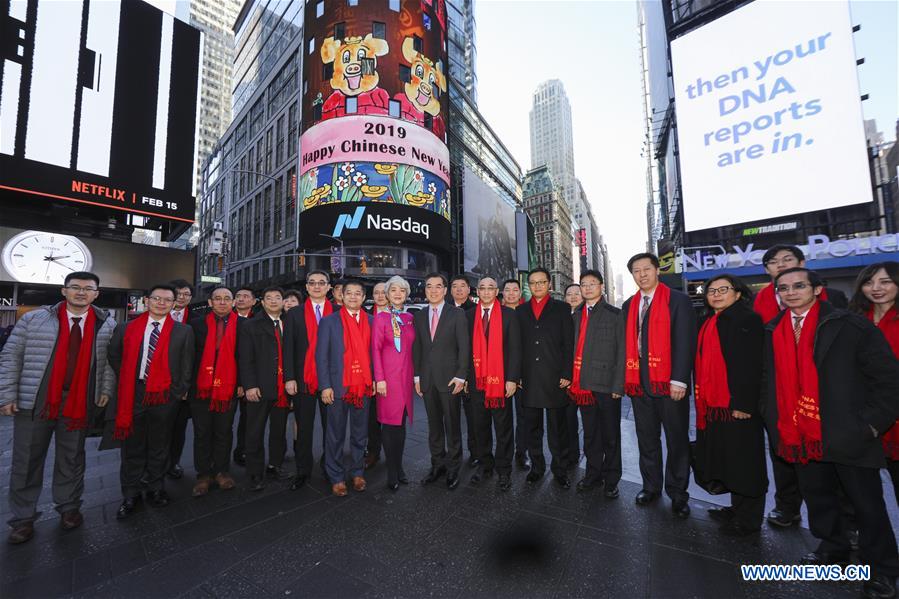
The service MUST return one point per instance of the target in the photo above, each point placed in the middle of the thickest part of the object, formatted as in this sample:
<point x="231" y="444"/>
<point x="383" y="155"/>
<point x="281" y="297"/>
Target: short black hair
<point x="246" y="288"/>
<point x="570" y="285"/>
<point x="338" y="282"/>
<point x="356" y="282"/>
<point x="513" y="281"/>
<point x="540" y="269"/>
<point x="181" y="284"/>
<point x="460" y="278"/>
<point x="294" y="293"/>
<point x="436" y="275"/>
<point x="273" y="289"/>
<point x="813" y="277"/>
<point x="644" y="256"/>
<point x="164" y="286"/>
<point x="592" y="272"/>
<point x="217" y="287"/>
<point x="776" y="249"/>
<point x="318" y="272"/>
<point x="82" y="275"/>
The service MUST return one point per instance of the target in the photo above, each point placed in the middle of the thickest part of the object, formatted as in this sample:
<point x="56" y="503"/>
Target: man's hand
<point x="102" y="401"/>
<point x="563" y="383"/>
<point x="184" y="397"/>
<point x="9" y="409"/>
<point x="381" y="387"/>
<point x="240" y="392"/>
<point x="678" y="393"/>
<point x="290" y="387"/>
<point x="456" y="386"/>
<point x="466" y="387"/>
<point x="254" y="394"/>
<point x="616" y="396"/>
<point x="511" y="388"/>
<point x="740" y="415"/>
<point x="418" y="387"/>
<point x="328" y="396"/>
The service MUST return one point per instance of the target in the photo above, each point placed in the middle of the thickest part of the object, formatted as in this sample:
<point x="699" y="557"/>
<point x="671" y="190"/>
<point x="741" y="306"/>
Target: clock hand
<point x="49" y="260"/>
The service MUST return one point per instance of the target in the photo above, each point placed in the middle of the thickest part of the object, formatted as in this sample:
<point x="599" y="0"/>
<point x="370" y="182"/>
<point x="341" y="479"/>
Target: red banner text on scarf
<point x="487" y="356"/>
<point x="658" y="352"/>
<point x="217" y="376"/>
<point x="357" y="378"/>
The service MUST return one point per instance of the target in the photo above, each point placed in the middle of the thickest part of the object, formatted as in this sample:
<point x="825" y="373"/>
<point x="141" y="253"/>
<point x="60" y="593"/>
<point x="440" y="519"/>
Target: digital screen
<point x="769" y="116"/>
<point x="98" y="105"/>
<point x="489" y="225"/>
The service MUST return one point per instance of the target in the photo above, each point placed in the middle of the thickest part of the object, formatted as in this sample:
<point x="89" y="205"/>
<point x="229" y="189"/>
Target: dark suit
<point x="500" y="417"/>
<point x="213" y="431"/>
<point x="241" y="444"/>
<point x="547" y="346"/>
<point x="602" y="372"/>
<point x="296" y="343"/>
<point x="258" y="361"/>
<point x="652" y="412"/>
<point x="183" y="412"/>
<point x="858" y="383"/>
<point x="470" y="425"/>
<point x="329" y="353"/>
<point x="436" y="363"/>
<point x="146" y="450"/>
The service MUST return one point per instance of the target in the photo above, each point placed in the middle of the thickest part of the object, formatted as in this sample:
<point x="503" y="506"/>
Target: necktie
<point x="643" y="312"/>
<point x="154" y="339"/>
<point x="277" y="329"/>
<point x="486" y="321"/>
<point x="589" y="311"/>
<point x="797" y="327"/>
<point x="434" y="318"/>
<point x="318" y="313"/>
<point x="74" y="347"/>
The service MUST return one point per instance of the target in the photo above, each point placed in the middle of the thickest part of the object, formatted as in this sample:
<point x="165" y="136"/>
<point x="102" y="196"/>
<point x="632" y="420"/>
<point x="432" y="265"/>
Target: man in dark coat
<point x="460" y="291"/>
<point x="261" y="358"/>
<point x="602" y="380"/>
<point x="440" y="357"/>
<point x="661" y="404"/>
<point x="547" y="339"/>
<point x="856" y="400"/>
<point x="497" y="410"/>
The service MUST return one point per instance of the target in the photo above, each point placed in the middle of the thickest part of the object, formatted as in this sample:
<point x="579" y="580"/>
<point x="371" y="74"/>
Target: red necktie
<point x="74" y="348"/>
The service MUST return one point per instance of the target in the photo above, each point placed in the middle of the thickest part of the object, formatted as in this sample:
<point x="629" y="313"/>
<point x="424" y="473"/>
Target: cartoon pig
<point x="420" y="93"/>
<point x="355" y="75"/>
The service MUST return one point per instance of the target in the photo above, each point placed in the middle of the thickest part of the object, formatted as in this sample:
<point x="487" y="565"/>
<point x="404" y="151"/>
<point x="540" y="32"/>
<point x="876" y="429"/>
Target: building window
<point x="339" y="31"/>
<point x="379" y="30"/>
<point x="311" y="45"/>
<point x="394" y="5"/>
<point x="320" y="8"/>
<point x="352" y="105"/>
<point x="405" y="73"/>
<point x="352" y="2"/>
<point x="393" y="108"/>
<point x="417" y="43"/>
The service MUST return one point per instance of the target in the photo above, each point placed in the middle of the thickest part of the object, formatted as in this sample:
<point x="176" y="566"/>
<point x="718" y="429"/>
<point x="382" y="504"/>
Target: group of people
<point x="816" y="372"/>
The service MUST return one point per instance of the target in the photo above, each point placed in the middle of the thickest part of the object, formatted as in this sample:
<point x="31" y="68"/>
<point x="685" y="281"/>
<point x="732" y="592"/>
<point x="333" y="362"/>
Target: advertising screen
<point x="375" y="105"/>
<point x="98" y="105"/>
<point x="769" y="116"/>
<point x="376" y="221"/>
<point x="489" y="225"/>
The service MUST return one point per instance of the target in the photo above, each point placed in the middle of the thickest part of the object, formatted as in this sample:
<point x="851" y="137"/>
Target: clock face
<point x="40" y="257"/>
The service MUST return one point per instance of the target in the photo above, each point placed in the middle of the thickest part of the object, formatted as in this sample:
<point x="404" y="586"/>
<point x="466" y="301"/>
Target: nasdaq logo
<point x="348" y="221"/>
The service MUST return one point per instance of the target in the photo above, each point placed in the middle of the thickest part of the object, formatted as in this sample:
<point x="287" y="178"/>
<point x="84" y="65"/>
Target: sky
<point x="593" y="47"/>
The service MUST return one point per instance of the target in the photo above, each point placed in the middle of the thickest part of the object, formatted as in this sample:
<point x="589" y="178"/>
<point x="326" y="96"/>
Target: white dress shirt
<point x="83" y="317"/>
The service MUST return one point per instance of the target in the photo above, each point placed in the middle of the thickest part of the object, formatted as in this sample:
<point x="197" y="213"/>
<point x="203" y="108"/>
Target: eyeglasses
<point x="719" y="290"/>
<point x="538" y="283"/>
<point x="793" y="287"/>
<point x="79" y="289"/>
<point x="784" y="261"/>
<point x="590" y="285"/>
<point x="184" y="294"/>
<point x="161" y="300"/>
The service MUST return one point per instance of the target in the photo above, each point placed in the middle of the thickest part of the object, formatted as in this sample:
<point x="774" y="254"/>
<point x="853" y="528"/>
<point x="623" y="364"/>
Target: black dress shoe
<point x="129" y="505"/>
<point x="852" y="535"/>
<point x="534" y="476"/>
<point x="476" y="478"/>
<point x="721" y="514"/>
<point x="403" y="479"/>
<point x="586" y="484"/>
<point x="256" y="484"/>
<point x="824" y="558"/>
<point x="239" y="458"/>
<point x="505" y="482"/>
<point x="645" y="497"/>
<point x="611" y="492"/>
<point x="879" y="586"/>
<point x="783" y="519"/>
<point x="452" y="480"/>
<point x="393" y="487"/>
<point x="734" y="528"/>
<point x="158" y="498"/>
<point x="523" y="462"/>
<point x="680" y="508"/>
<point x="562" y="480"/>
<point x="175" y="472"/>
<point x="434" y="475"/>
<point x="298" y="482"/>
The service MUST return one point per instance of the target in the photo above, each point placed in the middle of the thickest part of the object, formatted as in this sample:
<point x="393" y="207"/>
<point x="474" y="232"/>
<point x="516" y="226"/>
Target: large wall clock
<point x="41" y="257"/>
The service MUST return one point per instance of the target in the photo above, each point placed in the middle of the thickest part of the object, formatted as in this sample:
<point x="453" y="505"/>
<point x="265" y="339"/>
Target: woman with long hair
<point x="876" y="288"/>
<point x="730" y="442"/>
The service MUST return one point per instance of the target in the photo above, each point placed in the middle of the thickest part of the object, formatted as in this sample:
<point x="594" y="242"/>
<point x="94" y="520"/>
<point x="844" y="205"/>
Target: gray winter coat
<point x="25" y="358"/>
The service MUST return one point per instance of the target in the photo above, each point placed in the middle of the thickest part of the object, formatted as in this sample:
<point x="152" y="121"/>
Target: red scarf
<point x="159" y="379"/>
<point x="310" y="376"/>
<point x="75" y="411"/>
<point x="487" y="355"/>
<point x="711" y="390"/>
<point x="659" y="351"/>
<point x="766" y="306"/>
<point x="356" y="358"/>
<point x="579" y="396"/>
<point x="889" y="325"/>
<point x="217" y="376"/>
<point x="538" y="305"/>
<point x="796" y="385"/>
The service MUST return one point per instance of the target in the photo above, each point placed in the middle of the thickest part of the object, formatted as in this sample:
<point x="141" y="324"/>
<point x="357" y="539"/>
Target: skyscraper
<point x="551" y="218"/>
<point x="462" y="49"/>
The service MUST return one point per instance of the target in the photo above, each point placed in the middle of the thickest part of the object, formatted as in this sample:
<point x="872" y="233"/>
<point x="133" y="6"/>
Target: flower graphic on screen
<point x="360" y="179"/>
<point x="342" y="183"/>
<point x="432" y="188"/>
<point x="347" y="168"/>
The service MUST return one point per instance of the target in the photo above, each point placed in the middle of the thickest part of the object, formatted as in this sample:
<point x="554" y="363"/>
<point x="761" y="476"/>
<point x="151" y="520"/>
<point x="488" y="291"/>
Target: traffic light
<point x="301" y="260"/>
<point x="363" y="266"/>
